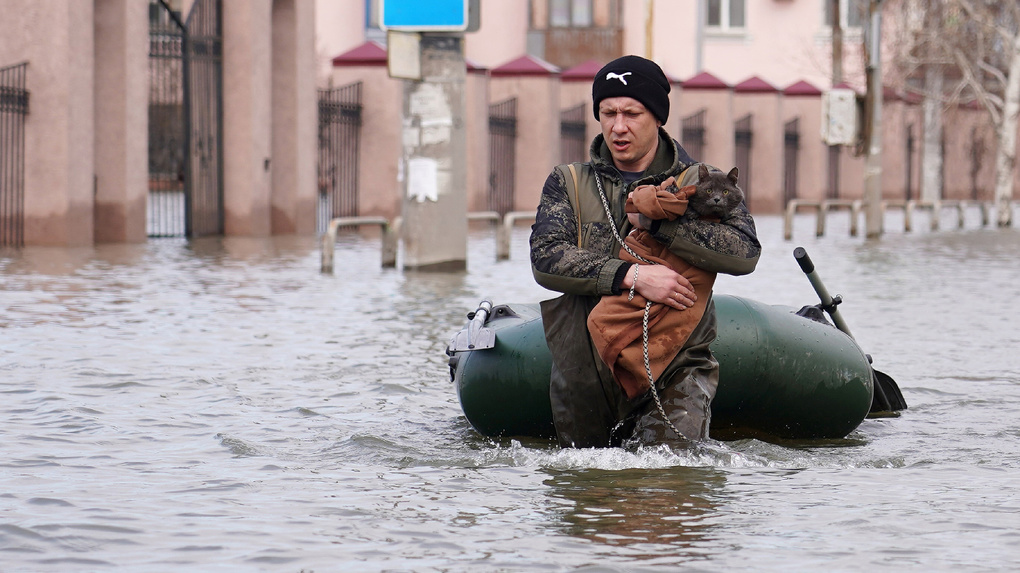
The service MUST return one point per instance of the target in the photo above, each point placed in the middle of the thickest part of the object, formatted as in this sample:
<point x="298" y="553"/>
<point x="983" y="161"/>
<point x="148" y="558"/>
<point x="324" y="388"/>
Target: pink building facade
<point x="756" y="87"/>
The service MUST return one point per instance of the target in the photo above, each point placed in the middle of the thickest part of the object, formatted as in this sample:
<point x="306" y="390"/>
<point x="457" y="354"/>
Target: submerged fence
<point x="13" y="109"/>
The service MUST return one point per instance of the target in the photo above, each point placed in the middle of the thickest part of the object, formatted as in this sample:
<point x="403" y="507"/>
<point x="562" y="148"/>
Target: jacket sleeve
<point x="556" y="261"/>
<point x="730" y="246"/>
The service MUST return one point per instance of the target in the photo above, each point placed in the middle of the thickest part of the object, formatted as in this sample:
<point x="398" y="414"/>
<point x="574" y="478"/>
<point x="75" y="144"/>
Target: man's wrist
<point x="621" y="274"/>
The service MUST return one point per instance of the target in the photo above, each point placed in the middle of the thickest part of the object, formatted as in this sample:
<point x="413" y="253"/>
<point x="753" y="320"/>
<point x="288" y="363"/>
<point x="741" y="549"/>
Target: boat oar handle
<point x="803" y="260"/>
<point x="829" y="304"/>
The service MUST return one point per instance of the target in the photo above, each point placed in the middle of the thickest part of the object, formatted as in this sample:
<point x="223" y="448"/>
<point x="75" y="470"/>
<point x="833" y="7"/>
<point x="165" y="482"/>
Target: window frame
<point x="844" y="15"/>
<point x="724" y="28"/>
<point x="574" y="8"/>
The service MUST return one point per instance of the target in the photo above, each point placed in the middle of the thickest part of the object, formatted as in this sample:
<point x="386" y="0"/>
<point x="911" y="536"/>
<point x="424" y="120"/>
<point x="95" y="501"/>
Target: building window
<point x="570" y="13"/>
<point x="725" y="15"/>
<point x="852" y="13"/>
<point x="373" y="17"/>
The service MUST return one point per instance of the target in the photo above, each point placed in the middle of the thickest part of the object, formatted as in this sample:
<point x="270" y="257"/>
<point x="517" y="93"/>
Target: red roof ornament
<point x="704" y="81"/>
<point x="525" y="66"/>
<point x="368" y="54"/>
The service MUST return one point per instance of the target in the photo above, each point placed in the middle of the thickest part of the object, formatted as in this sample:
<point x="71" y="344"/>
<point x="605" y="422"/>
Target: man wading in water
<point x="575" y="244"/>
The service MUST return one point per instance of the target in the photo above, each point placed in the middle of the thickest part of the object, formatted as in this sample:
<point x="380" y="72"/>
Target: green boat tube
<point x="782" y="374"/>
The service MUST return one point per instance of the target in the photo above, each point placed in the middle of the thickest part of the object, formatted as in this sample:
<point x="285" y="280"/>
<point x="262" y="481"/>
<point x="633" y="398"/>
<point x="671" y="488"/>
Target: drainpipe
<point x="873" y="168"/>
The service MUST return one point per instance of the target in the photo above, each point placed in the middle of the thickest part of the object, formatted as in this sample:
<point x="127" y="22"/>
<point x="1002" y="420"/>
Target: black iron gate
<point x="573" y="144"/>
<point x="909" y="163"/>
<point x="185" y="121"/>
<point x="167" y="126"/>
<point x="833" y="171"/>
<point x="339" y="146"/>
<point x="742" y="136"/>
<point x="502" y="155"/>
<point x="204" y="66"/>
<point x="692" y="135"/>
<point x="13" y="109"/>
<point x="791" y="148"/>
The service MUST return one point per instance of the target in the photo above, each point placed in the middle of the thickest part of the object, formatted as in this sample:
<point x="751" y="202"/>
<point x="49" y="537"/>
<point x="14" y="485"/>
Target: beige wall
<point x="968" y="131"/>
<point x="121" y="120"/>
<point x="382" y="99"/>
<point x="766" y="189"/>
<point x="813" y="153"/>
<point x="574" y="92"/>
<point x="476" y="121"/>
<point x="502" y="35"/>
<point x="538" y="131"/>
<point x="719" y="117"/>
<point x="294" y="118"/>
<point x="247" y="119"/>
<point x="339" y="26"/>
<point x="59" y="174"/>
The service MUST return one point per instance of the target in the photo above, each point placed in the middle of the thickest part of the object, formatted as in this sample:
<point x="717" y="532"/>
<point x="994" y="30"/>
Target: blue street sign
<point x="424" y="15"/>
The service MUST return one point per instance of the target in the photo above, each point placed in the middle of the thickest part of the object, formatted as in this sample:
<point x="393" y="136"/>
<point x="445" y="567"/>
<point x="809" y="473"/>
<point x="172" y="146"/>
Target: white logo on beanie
<point x="616" y="76"/>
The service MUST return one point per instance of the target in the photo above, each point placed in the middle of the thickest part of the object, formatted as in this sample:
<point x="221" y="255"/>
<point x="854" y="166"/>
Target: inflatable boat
<point x="784" y="373"/>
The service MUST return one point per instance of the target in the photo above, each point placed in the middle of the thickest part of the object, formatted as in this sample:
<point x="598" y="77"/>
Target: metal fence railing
<point x="692" y="134"/>
<point x="791" y="150"/>
<point x="13" y="109"/>
<point x="743" y="137"/>
<point x="340" y="112"/>
<point x="502" y="155"/>
<point x="573" y="144"/>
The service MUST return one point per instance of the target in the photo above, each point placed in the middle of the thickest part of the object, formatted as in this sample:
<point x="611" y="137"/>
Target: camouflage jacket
<point x="574" y="251"/>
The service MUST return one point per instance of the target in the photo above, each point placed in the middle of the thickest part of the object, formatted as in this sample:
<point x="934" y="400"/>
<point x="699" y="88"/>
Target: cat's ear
<point x="732" y="175"/>
<point x="702" y="172"/>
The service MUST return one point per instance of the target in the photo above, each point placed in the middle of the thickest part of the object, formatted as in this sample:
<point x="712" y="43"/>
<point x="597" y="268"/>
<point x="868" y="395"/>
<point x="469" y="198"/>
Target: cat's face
<point x="717" y="193"/>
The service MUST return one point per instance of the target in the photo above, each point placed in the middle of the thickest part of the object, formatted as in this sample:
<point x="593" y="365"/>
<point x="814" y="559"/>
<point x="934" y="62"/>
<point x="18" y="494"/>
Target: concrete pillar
<point x="294" y="117"/>
<point x="435" y="201"/>
<point x="247" y="116"/>
<point x="121" y="120"/>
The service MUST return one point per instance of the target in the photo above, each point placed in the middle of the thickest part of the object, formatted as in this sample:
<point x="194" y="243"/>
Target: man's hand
<point x="637" y="220"/>
<point x="659" y="283"/>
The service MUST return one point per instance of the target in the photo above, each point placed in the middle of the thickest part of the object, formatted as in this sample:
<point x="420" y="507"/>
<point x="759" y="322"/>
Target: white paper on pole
<point x="423" y="179"/>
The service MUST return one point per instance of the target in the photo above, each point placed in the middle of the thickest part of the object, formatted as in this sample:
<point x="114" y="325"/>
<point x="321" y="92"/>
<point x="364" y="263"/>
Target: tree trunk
<point x="931" y="153"/>
<point x="1005" y="159"/>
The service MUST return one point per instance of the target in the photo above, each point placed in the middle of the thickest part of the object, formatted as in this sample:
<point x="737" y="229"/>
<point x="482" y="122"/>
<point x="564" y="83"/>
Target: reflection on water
<point x="645" y="509"/>
<point x="220" y="404"/>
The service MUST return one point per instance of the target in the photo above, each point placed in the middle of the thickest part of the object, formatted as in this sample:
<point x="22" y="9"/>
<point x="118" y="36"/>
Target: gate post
<point x="435" y="146"/>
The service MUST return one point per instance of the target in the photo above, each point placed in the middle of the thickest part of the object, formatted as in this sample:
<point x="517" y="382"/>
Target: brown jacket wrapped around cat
<point x="616" y="322"/>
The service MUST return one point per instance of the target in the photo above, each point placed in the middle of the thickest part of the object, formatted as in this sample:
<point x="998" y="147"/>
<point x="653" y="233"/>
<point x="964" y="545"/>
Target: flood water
<point x="220" y="405"/>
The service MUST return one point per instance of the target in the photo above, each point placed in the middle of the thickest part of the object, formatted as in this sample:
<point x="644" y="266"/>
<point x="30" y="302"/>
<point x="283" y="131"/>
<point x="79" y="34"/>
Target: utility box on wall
<point x="839" y="117"/>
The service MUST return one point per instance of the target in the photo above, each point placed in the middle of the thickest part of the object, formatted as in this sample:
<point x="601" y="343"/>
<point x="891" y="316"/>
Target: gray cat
<point x="717" y="194"/>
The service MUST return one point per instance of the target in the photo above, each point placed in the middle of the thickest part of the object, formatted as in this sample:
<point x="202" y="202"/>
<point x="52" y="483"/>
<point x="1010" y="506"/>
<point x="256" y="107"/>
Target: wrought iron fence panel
<point x="204" y="69"/>
<point x="791" y="150"/>
<point x="502" y="155"/>
<point x="834" y="161"/>
<point x="165" y="213"/>
<point x="13" y="109"/>
<point x="339" y="160"/>
<point x="692" y="134"/>
<point x="573" y="144"/>
<point x="743" y="137"/>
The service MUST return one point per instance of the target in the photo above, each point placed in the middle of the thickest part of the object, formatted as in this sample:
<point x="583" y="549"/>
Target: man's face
<point x="631" y="132"/>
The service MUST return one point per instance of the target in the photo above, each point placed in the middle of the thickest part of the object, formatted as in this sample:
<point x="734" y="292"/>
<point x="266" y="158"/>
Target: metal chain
<point x="648" y="305"/>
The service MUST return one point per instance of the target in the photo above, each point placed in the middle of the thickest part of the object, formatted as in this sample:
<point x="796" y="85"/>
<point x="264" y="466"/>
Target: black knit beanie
<point x="635" y="77"/>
